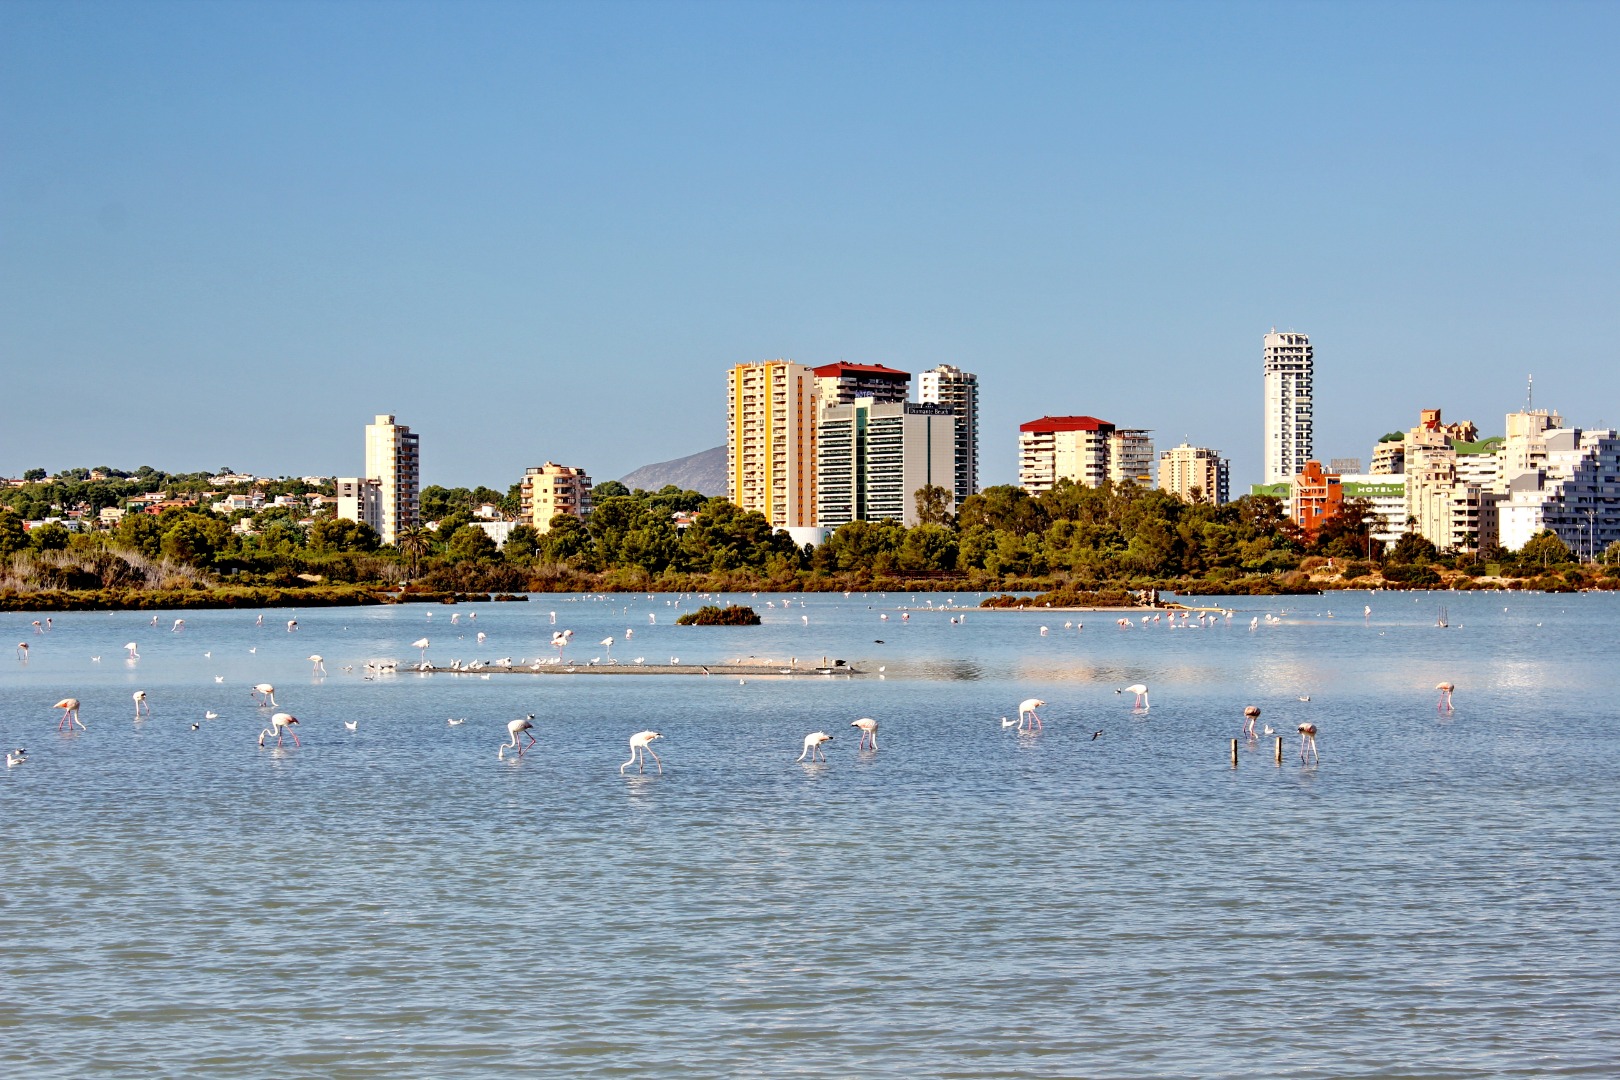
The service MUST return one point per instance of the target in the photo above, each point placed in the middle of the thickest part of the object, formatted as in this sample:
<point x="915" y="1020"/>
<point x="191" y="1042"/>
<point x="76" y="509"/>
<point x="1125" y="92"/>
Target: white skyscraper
<point x="947" y="385"/>
<point x="1288" y="405"/>
<point x="393" y="459"/>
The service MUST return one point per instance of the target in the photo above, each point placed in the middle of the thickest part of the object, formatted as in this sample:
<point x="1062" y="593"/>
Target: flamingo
<point x="813" y="743"/>
<point x="1250" y="715"/>
<point x="22" y="650"/>
<point x="1141" y="692"/>
<point x="279" y="723"/>
<point x="292" y="624"/>
<point x="1026" y="709"/>
<point x="70" y="713"/>
<point x="15" y="759"/>
<point x="481" y="637"/>
<point x="179" y="625"/>
<point x="868" y="728"/>
<point x="1307" y="742"/>
<point x="319" y="662"/>
<point x="422" y="644"/>
<point x="640" y="745"/>
<point x="140" y="702"/>
<point x="1445" y="689"/>
<point x="264" y="693"/>
<point x="39" y="627"/>
<point x="607" y="643"/>
<point x="134" y="653"/>
<point x="522" y="725"/>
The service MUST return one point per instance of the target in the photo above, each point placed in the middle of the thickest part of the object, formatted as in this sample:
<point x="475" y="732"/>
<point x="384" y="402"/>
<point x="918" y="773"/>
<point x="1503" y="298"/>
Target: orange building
<point x="1313" y="496"/>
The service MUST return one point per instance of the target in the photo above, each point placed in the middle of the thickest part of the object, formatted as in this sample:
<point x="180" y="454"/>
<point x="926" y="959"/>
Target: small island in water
<point x="711" y="615"/>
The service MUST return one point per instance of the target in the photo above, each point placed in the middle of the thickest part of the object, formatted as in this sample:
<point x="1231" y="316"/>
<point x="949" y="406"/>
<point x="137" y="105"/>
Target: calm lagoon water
<point x="1440" y="897"/>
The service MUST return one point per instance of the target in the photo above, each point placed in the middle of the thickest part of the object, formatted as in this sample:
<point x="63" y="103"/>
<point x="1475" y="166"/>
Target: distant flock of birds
<point x="1029" y="720"/>
<point x="282" y="723"/>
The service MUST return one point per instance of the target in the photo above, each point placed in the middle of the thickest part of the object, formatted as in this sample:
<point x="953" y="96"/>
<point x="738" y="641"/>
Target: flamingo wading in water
<point x="70" y="714"/>
<point x="1445" y="689"/>
<point x="813" y="744"/>
<point x="140" y="703"/>
<point x="1250" y="715"/>
<point x="868" y="728"/>
<point x="1307" y="742"/>
<point x="1141" y="692"/>
<point x="264" y="693"/>
<point x="1026" y="712"/>
<point x="523" y="725"/>
<point x="279" y="723"/>
<point x="641" y="745"/>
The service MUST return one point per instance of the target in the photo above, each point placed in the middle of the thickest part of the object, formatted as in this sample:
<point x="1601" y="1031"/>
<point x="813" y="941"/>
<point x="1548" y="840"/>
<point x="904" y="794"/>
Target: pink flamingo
<point x="1250" y="715"/>
<point x="1026" y="709"/>
<point x="868" y="728"/>
<point x="140" y="703"/>
<point x="1445" y="689"/>
<point x="813" y="744"/>
<point x="1307" y="742"/>
<point x="523" y="725"/>
<point x="70" y="713"/>
<point x="640" y="745"/>
<point x="281" y="722"/>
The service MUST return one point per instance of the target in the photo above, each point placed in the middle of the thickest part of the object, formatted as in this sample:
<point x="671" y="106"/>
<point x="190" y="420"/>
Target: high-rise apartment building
<point x="947" y="385"/>
<point x="841" y="384"/>
<point x="771" y="441"/>
<point x="1288" y="367"/>
<point x="1054" y="448"/>
<point x="1573" y="491"/>
<point x="359" y="498"/>
<point x="551" y="489"/>
<point x="393" y="459"/>
<point x="1195" y="474"/>
<point x="1130" y="457"/>
<point x="873" y="457"/>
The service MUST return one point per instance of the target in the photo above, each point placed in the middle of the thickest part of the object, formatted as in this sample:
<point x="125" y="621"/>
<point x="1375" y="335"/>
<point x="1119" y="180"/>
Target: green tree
<point x="1412" y="548"/>
<point x="608" y="489"/>
<point x="329" y="535"/>
<point x="413" y="542"/>
<point x="13" y="537"/>
<point x="1543" y="549"/>
<point x="522" y="544"/>
<point x="933" y="505"/>
<point x="33" y="476"/>
<point x="470" y="544"/>
<point x="49" y="537"/>
<point x="140" y="532"/>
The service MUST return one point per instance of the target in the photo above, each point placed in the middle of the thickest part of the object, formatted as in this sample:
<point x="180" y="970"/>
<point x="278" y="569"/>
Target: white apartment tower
<point x="958" y="389"/>
<point x="771" y="441"/>
<point x="873" y="457"/>
<point x="393" y="459"/>
<point x="1288" y="405"/>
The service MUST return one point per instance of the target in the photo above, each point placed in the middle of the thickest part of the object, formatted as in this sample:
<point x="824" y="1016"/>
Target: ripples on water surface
<point x="1439" y="898"/>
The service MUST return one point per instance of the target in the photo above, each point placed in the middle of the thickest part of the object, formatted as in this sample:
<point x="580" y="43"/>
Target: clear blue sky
<point x="230" y="233"/>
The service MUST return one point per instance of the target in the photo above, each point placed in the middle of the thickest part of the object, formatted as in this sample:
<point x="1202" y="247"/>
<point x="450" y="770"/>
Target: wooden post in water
<point x="1279" y="749"/>
<point x="1234" y="753"/>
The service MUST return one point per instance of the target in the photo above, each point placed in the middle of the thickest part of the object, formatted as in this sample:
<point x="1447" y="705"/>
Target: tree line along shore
<point x="1071" y="542"/>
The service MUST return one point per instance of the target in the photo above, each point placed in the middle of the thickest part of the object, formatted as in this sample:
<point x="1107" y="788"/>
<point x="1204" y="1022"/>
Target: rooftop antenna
<point x="1529" y="392"/>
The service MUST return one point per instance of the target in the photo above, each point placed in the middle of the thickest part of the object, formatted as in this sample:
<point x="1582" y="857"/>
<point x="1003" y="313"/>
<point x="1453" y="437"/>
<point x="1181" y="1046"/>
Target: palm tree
<point x="413" y="542"/>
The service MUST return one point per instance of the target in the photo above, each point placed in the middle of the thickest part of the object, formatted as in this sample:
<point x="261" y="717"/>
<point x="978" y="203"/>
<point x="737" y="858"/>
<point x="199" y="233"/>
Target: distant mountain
<point x="705" y="472"/>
